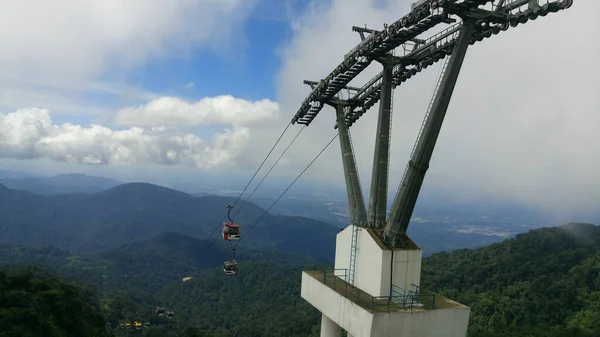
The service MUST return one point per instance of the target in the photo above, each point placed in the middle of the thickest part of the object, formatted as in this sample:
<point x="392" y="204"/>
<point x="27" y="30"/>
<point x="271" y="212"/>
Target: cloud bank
<point x="54" y="51"/>
<point x="171" y="111"/>
<point x="55" y="54"/>
<point x="30" y="134"/>
<point x="522" y="124"/>
<point x="80" y="40"/>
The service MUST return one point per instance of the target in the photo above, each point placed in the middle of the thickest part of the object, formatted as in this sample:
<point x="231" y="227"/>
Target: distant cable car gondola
<point x="230" y="267"/>
<point x="231" y="231"/>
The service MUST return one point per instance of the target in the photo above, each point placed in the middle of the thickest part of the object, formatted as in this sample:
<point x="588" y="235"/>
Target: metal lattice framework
<point x="468" y="22"/>
<point x="421" y="54"/>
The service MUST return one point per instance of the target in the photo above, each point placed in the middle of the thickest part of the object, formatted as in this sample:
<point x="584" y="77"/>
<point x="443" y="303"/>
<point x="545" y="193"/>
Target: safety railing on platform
<point x="336" y="279"/>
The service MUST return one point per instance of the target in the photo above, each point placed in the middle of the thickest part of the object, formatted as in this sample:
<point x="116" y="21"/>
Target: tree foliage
<point x="543" y="283"/>
<point x="33" y="303"/>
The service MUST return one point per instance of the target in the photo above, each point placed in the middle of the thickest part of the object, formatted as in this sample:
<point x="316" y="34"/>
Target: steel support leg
<point x="381" y="155"/>
<point x="401" y="212"/>
<point x="356" y="201"/>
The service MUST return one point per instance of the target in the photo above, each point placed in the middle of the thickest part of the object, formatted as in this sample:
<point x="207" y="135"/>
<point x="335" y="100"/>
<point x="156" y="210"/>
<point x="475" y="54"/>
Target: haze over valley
<point x="436" y="225"/>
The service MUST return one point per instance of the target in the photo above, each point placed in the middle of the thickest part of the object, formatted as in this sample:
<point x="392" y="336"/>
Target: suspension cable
<point x="263" y="162"/>
<point x="244" y="190"/>
<point x="271" y="169"/>
<point x="281" y="195"/>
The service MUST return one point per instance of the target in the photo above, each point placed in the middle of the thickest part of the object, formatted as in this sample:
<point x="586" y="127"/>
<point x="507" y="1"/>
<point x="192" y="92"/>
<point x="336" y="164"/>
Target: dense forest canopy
<point x="542" y="283"/>
<point x="34" y="303"/>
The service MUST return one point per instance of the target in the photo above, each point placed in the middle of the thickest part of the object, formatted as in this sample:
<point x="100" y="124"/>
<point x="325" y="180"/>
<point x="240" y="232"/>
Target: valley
<point x="511" y="286"/>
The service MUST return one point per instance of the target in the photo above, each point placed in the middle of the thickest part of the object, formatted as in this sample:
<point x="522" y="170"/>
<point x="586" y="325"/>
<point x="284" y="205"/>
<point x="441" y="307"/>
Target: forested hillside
<point x="85" y="223"/>
<point x="543" y="283"/>
<point x="34" y="303"/>
<point x="132" y="280"/>
<point x="263" y="300"/>
<point x="145" y="265"/>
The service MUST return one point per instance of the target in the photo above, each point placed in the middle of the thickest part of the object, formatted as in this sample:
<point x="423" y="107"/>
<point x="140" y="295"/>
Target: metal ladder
<point x="355" y="229"/>
<point x="387" y="178"/>
<point x="353" y="249"/>
<point x="435" y="91"/>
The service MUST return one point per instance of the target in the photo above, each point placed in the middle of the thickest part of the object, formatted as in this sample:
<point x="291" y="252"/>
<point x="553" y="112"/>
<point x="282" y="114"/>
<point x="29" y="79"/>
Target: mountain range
<point x="99" y="214"/>
<point x="438" y="224"/>
<point x="58" y="184"/>
<point x="89" y="223"/>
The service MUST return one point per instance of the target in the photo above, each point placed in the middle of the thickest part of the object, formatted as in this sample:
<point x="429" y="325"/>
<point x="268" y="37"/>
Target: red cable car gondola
<point x="231" y="231"/>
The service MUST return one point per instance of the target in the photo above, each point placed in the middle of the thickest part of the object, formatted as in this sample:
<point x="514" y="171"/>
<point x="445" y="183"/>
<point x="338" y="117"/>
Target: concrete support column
<point x="329" y="328"/>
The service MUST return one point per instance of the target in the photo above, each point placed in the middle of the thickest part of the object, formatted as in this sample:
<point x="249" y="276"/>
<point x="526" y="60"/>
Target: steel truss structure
<point x="469" y="21"/>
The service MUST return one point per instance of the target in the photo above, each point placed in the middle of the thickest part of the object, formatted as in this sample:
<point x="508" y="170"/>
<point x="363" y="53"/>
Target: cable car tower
<point x="384" y="299"/>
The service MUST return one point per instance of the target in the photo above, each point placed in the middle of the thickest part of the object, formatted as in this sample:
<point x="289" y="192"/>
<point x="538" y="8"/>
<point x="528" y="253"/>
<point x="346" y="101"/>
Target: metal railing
<point x="336" y="279"/>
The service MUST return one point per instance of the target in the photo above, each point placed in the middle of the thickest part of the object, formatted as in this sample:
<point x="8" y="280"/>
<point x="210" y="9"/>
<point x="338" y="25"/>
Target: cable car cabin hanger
<point x="231" y="231"/>
<point x="230" y="267"/>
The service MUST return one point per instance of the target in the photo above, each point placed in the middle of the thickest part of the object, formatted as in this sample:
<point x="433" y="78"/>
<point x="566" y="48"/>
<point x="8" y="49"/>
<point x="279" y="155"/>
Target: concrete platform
<point x="361" y="315"/>
<point x="384" y="298"/>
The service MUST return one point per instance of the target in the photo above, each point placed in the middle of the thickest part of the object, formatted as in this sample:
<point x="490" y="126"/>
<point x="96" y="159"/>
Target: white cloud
<point x="522" y="123"/>
<point x="30" y="133"/>
<point x="68" y="43"/>
<point x="84" y="39"/>
<point x="65" y="56"/>
<point x="171" y="111"/>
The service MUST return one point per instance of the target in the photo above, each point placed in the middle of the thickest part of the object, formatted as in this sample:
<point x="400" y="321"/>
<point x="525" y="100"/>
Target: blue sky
<point x="247" y="72"/>
<point x="246" y="69"/>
